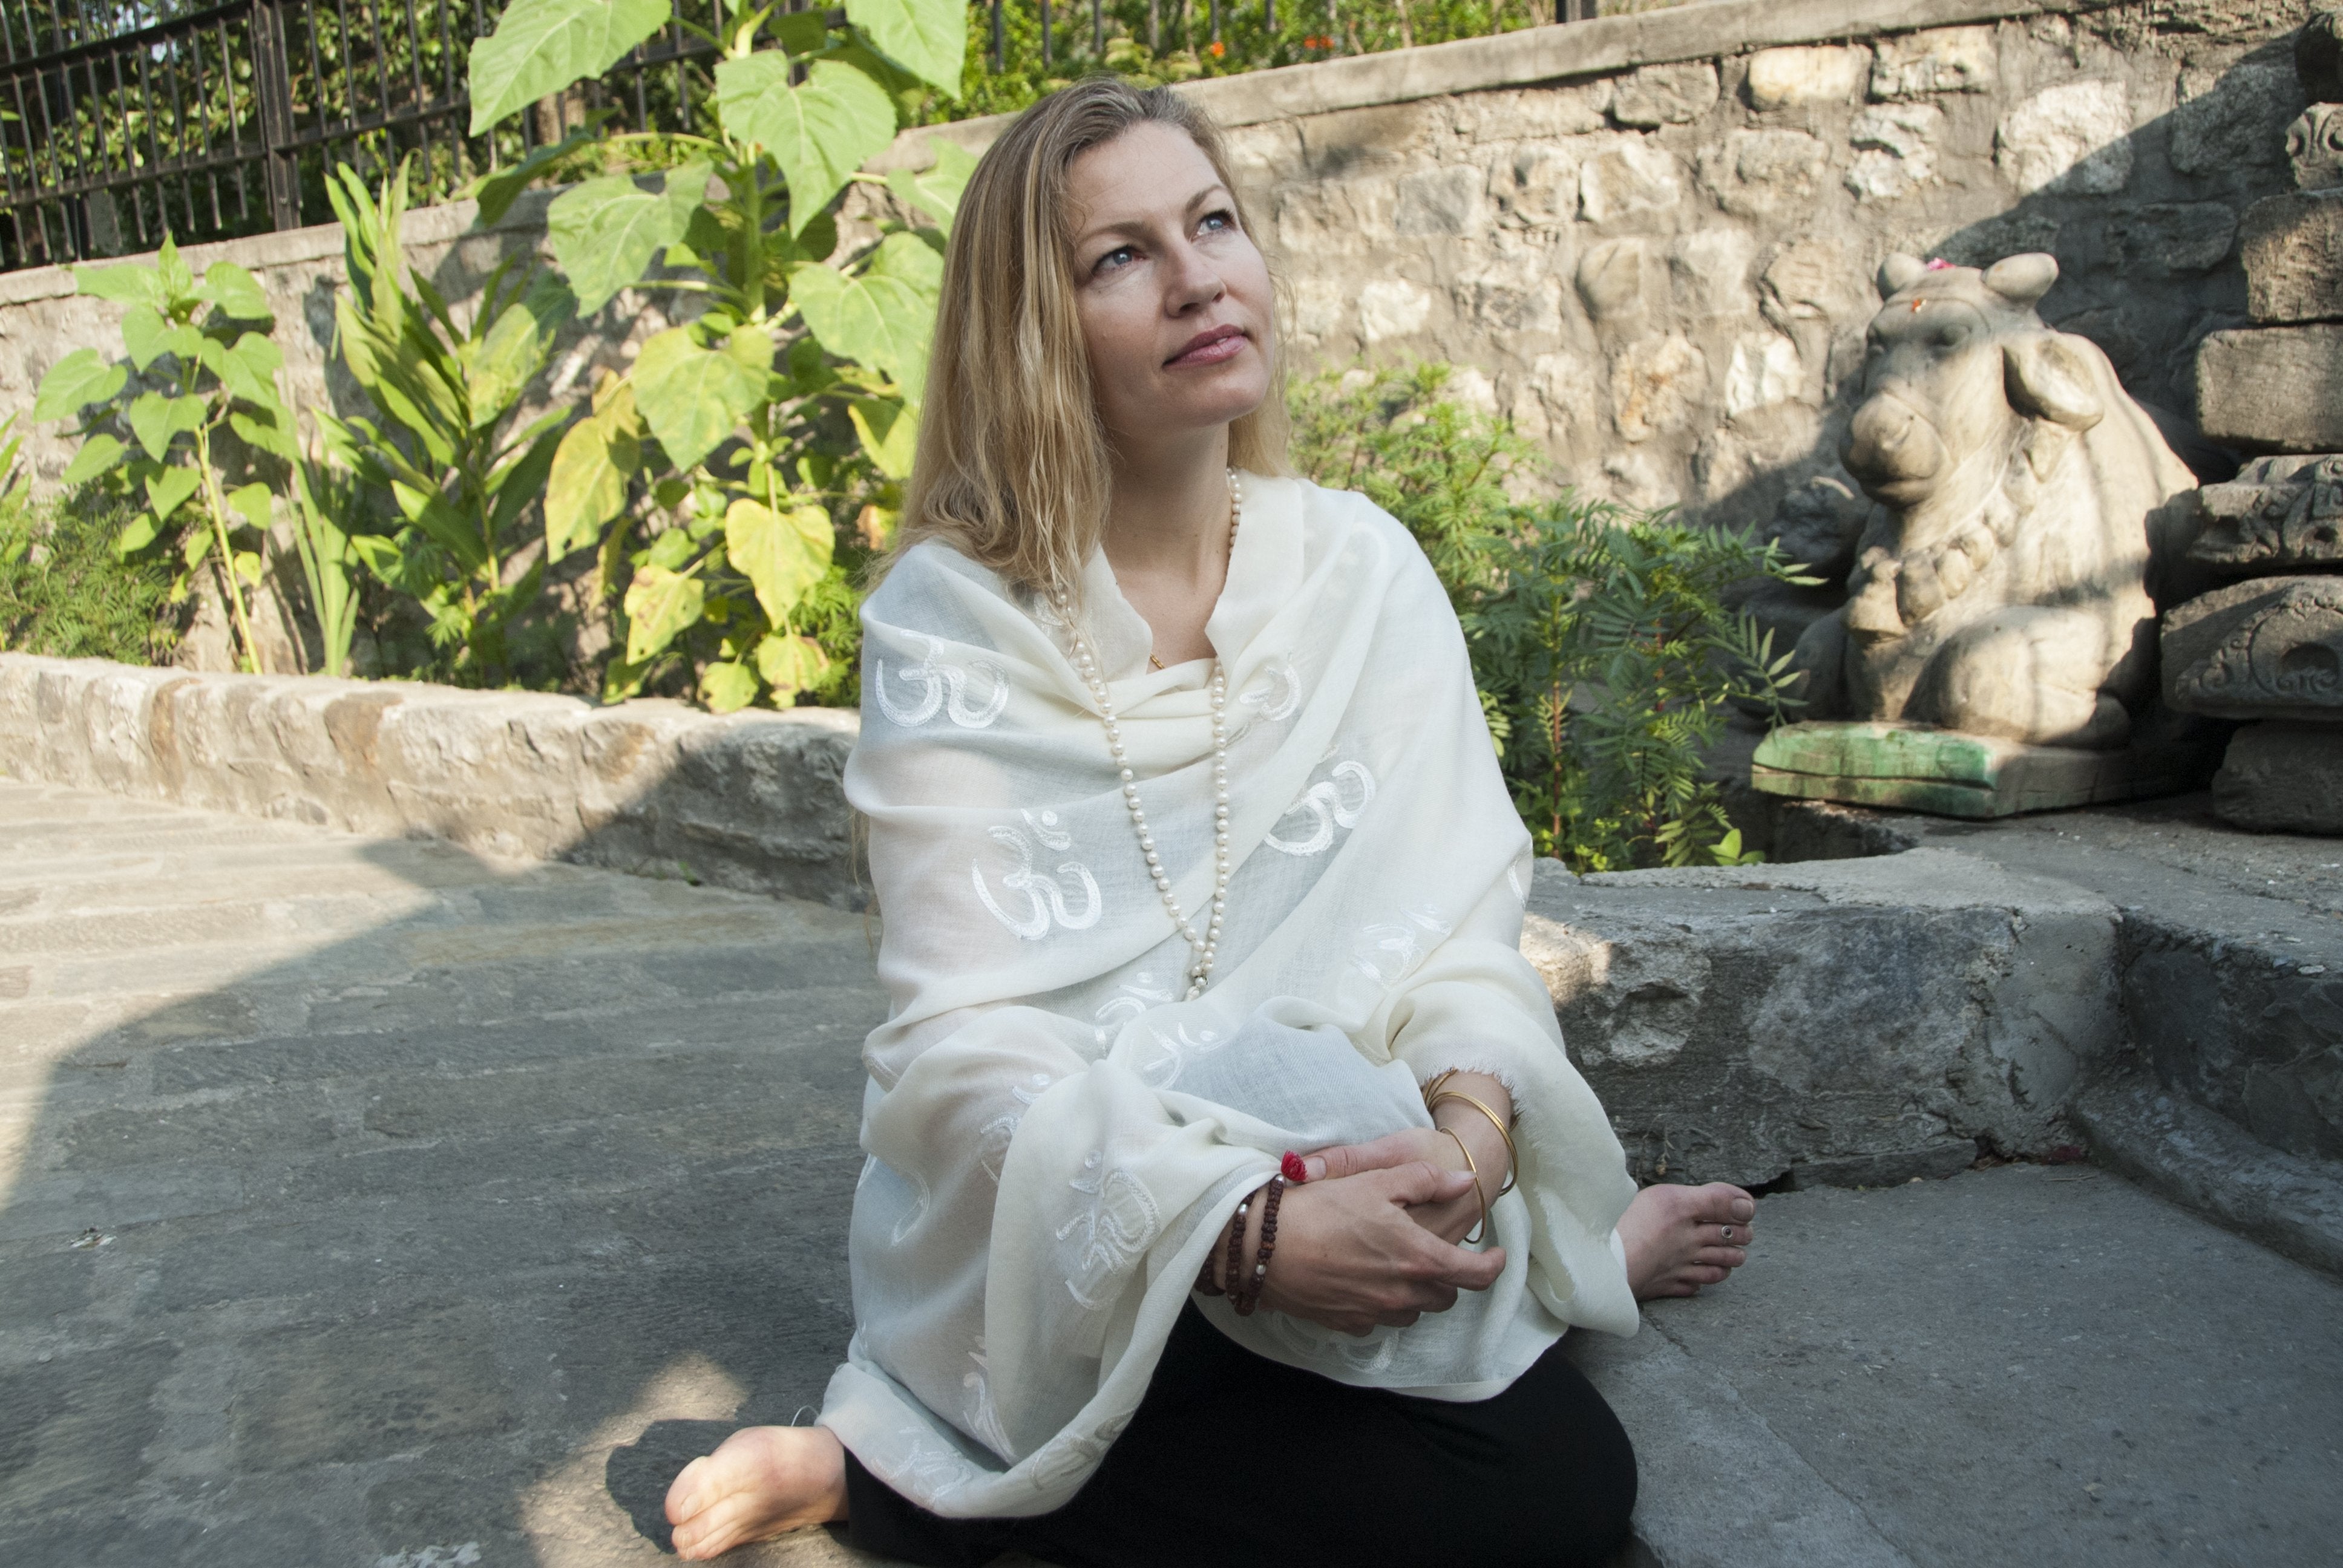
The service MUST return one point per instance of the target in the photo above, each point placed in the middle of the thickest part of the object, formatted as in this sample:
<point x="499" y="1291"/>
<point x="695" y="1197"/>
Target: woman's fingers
<point x="1391" y="1149"/>
<point x="1421" y="1182"/>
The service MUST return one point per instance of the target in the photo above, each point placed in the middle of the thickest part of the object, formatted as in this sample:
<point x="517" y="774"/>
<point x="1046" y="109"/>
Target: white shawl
<point x="1055" y="1137"/>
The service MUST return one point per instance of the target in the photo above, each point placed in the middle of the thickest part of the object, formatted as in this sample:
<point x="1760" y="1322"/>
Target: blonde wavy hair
<point x="1014" y="467"/>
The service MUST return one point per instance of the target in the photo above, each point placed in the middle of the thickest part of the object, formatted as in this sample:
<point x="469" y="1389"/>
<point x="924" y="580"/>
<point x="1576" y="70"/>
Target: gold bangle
<point x="1512" y="1154"/>
<point x="1474" y="1170"/>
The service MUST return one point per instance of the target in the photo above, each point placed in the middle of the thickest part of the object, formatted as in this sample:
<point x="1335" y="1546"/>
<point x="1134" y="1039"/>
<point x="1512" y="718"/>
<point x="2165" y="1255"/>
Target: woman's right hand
<point x="1350" y="1255"/>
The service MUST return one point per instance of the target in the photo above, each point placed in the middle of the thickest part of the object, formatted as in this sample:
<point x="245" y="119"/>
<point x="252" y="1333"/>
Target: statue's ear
<point x="2023" y="279"/>
<point x="2047" y="375"/>
<point x="1900" y="272"/>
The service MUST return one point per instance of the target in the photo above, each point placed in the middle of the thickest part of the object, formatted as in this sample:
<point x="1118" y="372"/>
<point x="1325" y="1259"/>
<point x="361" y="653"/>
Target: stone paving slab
<point x="2028" y="1364"/>
<point x="367" y="1201"/>
<point x="445" y="1229"/>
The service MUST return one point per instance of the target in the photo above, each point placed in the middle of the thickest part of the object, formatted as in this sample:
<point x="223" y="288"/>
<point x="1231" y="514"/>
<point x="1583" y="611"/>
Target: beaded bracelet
<point x="1249" y="1298"/>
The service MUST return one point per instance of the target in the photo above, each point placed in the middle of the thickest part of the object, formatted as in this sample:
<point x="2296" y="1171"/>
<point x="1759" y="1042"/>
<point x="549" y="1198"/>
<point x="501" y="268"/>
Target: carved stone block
<point x="2282" y="779"/>
<point x="2271" y="647"/>
<point x="2288" y="244"/>
<point x="2278" y="515"/>
<point x="1919" y="768"/>
<point x="2273" y="386"/>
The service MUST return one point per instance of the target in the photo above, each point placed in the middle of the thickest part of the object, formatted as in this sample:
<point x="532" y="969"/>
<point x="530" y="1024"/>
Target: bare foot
<point x="1679" y="1238"/>
<point x="761" y="1481"/>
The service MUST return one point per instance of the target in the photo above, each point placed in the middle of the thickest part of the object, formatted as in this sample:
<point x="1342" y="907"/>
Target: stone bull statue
<point x="2001" y="584"/>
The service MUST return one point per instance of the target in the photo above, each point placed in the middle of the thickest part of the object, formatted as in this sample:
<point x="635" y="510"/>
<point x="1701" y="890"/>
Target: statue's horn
<point x="1900" y="272"/>
<point x="2023" y="279"/>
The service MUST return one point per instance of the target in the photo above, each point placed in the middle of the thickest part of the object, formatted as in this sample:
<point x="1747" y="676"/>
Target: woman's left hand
<point x="1451" y="1222"/>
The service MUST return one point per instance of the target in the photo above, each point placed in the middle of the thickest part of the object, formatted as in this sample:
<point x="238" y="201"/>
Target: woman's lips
<point x="1213" y="347"/>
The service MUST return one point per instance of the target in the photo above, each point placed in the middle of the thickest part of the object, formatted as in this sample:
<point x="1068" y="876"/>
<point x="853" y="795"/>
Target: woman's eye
<point x="1112" y="259"/>
<point x="1214" y="222"/>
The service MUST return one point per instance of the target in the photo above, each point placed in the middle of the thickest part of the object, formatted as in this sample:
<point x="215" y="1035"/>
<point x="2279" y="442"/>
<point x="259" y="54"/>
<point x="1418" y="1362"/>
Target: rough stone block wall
<point x="750" y="800"/>
<point x="1649" y="239"/>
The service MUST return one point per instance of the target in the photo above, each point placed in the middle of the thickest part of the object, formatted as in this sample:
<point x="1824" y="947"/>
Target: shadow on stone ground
<point x="369" y="1203"/>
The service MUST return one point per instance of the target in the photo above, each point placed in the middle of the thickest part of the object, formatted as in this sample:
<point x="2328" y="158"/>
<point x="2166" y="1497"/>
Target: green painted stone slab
<point x="1913" y="767"/>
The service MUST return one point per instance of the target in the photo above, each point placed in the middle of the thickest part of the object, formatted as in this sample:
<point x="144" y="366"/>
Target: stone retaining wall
<point x="750" y="801"/>
<point x="1649" y="239"/>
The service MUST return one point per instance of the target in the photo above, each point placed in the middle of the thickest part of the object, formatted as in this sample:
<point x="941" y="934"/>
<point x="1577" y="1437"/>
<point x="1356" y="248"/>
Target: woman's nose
<point x="1193" y="280"/>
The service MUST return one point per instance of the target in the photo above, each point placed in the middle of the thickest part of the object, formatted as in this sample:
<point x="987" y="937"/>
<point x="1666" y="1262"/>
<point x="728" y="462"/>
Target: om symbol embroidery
<point x="1278" y="693"/>
<point x="1045" y="896"/>
<point x="1328" y="808"/>
<point x="1109" y="1233"/>
<point x="943" y="687"/>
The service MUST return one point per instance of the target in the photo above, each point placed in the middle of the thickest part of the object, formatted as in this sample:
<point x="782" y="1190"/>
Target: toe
<point x="683" y="1493"/>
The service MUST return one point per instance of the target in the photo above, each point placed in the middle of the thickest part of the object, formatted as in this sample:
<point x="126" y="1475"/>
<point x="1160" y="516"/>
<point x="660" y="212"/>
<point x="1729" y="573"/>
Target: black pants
<point x="1233" y="1460"/>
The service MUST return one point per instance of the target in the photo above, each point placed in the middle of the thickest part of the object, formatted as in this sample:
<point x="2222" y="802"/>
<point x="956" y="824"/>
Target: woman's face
<point x="1175" y="299"/>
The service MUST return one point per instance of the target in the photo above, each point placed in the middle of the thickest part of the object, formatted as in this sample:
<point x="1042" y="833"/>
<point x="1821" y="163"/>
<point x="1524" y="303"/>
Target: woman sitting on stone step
<point x="1229" y="1188"/>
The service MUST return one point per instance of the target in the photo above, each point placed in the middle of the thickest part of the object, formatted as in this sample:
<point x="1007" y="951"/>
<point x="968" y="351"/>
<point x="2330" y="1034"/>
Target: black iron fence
<point x="123" y="120"/>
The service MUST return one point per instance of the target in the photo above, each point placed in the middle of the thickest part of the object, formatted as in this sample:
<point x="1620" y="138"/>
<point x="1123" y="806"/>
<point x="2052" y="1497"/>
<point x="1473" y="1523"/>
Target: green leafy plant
<point x="1600" y="644"/>
<point x="200" y="362"/>
<point x="713" y="477"/>
<point x="456" y="468"/>
<point x="64" y="592"/>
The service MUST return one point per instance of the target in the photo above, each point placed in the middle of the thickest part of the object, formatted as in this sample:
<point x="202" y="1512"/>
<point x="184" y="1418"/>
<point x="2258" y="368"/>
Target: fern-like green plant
<point x="1601" y="643"/>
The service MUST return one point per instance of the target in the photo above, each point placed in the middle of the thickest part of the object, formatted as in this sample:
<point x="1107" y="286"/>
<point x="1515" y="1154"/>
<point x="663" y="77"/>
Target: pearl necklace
<point x="1202" y="949"/>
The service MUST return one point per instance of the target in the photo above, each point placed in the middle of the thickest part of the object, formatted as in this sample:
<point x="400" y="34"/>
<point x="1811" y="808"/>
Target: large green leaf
<point x="168" y="490"/>
<point x="606" y="231"/>
<point x="154" y="419"/>
<point x="926" y="37"/>
<point x="248" y="370"/>
<point x="790" y="665"/>
<point x="693" y="398"/>
<point x="728" y="687"/>
<point x="588" y="485"/>
<point x="890" y="433"/>
<point x="781" y="554"/>
<point x="97" y="455"/>
<point x="173" y="275"/>
<point x="660" y="604"/>
<point x="236" y="293"/>
<point x="936" y="190"/>
<point x="515" y="349"/>
<point x="818" y="132"/>
<point x="266" y="429"/>
<point x="541" y="46"/>
<point x="252" y="503"/>
<point x="884" y="318"/>
<point x="74" y="382"/>
<point x="131" y="285"/>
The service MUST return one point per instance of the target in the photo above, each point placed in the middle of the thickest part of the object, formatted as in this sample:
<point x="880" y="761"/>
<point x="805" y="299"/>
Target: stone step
<point x="2025" y="1364"/>
<point x="2184" y="1152"/>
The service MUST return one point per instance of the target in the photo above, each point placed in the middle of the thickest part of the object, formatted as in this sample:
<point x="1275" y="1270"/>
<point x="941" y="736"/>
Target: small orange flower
<point x="1218" y="49"/>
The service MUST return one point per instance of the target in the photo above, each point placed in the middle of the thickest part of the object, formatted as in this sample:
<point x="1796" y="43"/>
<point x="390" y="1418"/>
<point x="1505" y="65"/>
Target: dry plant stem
<point x="223" y="555"/>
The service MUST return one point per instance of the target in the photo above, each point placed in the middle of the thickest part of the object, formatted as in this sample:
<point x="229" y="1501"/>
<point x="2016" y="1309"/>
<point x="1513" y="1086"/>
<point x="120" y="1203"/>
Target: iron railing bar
<point x="117" y="181"/>
<point x="347" y="77"/>
<point x="179" y="141"/>
<point x="316" y="65"/>
<point x="228" y="76"/>
<point x="151" y="32"/>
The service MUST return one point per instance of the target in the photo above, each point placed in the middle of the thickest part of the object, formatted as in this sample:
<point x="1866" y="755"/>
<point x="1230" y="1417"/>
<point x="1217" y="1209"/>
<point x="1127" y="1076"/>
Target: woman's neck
<point x="1167" y="537"/>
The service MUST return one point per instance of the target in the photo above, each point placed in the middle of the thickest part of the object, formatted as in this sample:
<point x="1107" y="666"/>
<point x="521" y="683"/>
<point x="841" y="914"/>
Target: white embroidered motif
<point x="1177" y="1049"/>
<point x="993" y="1140"/>
<point x="1328" y="809"/>
<point x="1386" y="952"/>
<point x="1110" y="1234"/>
<point x="1140" y="992"/>
<point x="943" y="687"/>
<point x="983" y="1418"/>
<point x="1278" y="693"/>
<point x="1517" y="877"/>
<point x="1045" y="897"/>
